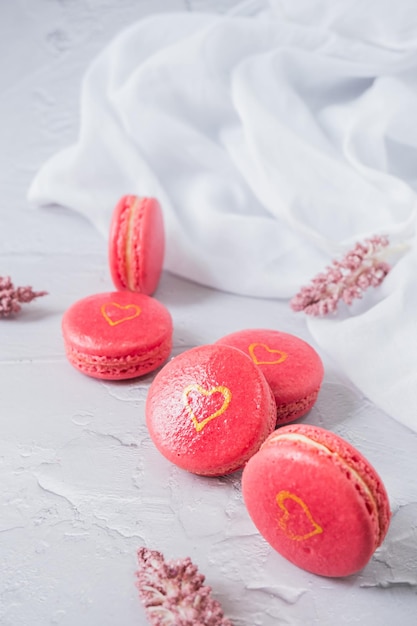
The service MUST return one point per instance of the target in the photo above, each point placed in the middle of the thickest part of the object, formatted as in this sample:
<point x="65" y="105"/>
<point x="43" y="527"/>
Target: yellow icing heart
<point x="274" y="360"/>
<point x="131" y="311"/>
<point x="200" y="423"/>
<point x="284" y="521"/>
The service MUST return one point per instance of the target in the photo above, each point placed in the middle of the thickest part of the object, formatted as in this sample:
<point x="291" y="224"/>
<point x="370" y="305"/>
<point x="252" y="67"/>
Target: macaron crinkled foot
<point x="117" y="335"/>
<point x="316" y="500"/>
<point x="209" y="409"/>
<point x="291" y="366"/>
<point x="137" y="244"/>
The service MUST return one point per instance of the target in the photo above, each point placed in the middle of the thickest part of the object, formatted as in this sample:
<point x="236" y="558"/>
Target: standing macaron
<point x="117" y="335"/>
<point x="137" y="244"/>
<point x="209" y="409"/>
<point x="291" y="366"/>
<point x="316" y="500"/>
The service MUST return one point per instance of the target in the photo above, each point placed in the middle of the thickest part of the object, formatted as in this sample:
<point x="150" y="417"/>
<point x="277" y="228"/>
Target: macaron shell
<point x="291" y="366"/>
<point x="345" y="454"/>
<point x="312" y="507"/>
<point x="150" y="247"/>
<point x="209" y="409"/>
<point x="137" y="244"/>
<point x="117" y="335"/>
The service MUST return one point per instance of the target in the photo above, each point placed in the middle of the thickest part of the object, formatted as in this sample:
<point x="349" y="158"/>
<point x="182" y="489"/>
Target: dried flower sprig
<point x="347" y="279"/>
<point x="12" y="297"/>
<point x="173" y="592"/>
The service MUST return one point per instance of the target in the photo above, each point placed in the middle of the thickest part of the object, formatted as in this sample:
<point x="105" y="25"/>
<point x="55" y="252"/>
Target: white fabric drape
<point x="275" y="137"/>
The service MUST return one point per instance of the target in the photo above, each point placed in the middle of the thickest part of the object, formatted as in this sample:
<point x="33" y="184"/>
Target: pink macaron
<point x="137" y="244"/>
<point x="316" y="500"/>
<point x="209" y="409"/>
<point x="291" y="366"/>
<point x="117" y="335"/>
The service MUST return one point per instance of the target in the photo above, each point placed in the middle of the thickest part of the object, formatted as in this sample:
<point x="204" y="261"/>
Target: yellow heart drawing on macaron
<point x="115" y="313"/>
<point x="288" y="521"/>
<point x="270" y="355"/>
<point x="198" y="419"/>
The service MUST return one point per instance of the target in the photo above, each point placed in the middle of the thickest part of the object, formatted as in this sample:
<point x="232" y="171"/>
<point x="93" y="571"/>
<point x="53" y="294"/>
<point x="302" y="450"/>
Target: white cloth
<point x="275" y="137"/>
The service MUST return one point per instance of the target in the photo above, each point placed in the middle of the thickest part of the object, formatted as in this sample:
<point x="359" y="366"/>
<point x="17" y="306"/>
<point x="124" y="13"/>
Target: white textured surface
<point x="82" y="486"/>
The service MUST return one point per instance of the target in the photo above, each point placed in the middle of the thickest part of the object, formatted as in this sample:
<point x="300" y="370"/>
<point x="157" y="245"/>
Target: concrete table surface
<point x="81" y="485"/>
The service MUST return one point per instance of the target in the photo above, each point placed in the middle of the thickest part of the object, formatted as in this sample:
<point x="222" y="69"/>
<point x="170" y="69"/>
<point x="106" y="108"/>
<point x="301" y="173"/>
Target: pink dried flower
<point x="173" y="592"/>
<point x="11" y="297"/>
<point x="344" y="280"/>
